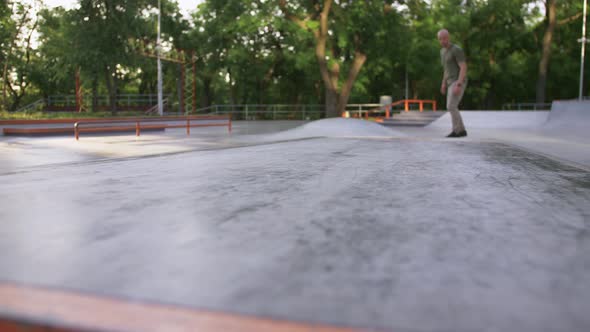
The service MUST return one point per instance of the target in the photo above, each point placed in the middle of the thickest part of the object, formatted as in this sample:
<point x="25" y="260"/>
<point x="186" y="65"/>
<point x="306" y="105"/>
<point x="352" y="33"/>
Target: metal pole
<point x="193" y="60"/>
<point x="158" y="50"/>
<point x="583" y="41"/>
<point x="407" y="89"/>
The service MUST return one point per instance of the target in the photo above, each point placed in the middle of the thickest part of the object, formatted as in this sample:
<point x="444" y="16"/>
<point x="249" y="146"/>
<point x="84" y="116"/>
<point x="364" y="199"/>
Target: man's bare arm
<point x="443" y="85"/>
<point x="462" y="72"/>
<point x="461" y="79"/>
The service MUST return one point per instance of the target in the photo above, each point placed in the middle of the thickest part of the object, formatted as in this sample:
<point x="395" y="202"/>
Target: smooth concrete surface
<point x="399" y="231"/>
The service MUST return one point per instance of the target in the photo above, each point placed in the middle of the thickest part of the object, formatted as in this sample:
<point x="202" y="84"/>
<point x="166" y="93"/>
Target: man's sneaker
<point x="452" y="134"/>
<point x="462" y="134"/>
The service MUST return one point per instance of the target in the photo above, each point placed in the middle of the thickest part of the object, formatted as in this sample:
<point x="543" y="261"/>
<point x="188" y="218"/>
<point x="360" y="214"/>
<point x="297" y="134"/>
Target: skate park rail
<point x="387" y="109"/>
<point x="114" y="125"/>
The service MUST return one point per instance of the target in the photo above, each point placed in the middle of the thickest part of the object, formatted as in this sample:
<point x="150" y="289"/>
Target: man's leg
<point x="453" y="107"/>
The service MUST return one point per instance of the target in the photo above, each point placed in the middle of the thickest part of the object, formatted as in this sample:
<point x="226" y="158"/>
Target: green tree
<point x="54" y="71"/>
<point x="343" y="31"/>
<point x="20" y="21"/>
<point x="560" y="18"/>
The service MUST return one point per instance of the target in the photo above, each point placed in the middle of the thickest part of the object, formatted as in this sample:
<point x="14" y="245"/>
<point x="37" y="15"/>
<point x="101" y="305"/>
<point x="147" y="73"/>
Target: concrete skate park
<point x="328" y="225"/>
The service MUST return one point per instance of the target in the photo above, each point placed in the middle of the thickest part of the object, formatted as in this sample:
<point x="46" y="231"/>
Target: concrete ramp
<point x="567" y="117"/>
<point x="334" y="128"/>
<point x="570" y="114"/>
<point x="496" y="119"/>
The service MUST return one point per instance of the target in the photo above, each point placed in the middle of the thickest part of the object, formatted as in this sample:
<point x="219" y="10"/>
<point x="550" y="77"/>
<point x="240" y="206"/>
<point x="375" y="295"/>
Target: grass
<point x="65" y="115"/>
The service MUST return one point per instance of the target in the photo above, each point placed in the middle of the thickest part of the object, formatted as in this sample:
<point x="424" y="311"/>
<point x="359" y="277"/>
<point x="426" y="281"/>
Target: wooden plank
<point x="52" y="310"/>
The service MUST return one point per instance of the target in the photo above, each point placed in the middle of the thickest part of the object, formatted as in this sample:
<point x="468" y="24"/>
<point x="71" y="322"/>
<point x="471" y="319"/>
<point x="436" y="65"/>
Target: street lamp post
<point x="158" y="50"/>
<point x="582" y="40"/>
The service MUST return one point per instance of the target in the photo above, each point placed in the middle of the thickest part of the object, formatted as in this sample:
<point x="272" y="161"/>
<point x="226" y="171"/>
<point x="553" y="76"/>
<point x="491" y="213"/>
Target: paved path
<point x="403" y="234"/>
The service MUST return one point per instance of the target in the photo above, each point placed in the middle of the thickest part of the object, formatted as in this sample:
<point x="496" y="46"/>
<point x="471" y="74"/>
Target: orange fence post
<point x="406" y="106"/>
<point x="421" y="106"/>
<point x="188" y="126"/>
<point x="387" y="111"/>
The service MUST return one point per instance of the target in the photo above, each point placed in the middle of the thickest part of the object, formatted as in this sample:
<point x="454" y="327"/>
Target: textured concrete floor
<point x="403" y="234"/>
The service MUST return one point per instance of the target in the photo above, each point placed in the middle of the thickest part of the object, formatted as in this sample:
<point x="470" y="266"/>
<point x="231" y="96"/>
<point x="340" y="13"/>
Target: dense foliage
<point x="293" y="51"/>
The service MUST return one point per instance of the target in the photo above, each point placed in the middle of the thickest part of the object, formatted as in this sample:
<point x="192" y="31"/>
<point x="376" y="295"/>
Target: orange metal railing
<point x="420" y="102"/>
<point x="387" y="108"/>
<point x="137" y="124"/>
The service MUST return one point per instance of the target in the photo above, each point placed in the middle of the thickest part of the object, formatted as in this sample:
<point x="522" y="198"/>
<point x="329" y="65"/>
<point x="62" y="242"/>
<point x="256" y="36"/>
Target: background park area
<point x="208" y="166"/>
<point x="94" y="57"/>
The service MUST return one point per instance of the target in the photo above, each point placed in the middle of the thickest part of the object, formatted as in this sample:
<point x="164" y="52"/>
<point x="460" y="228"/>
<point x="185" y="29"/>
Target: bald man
<point x="454" y="80"/>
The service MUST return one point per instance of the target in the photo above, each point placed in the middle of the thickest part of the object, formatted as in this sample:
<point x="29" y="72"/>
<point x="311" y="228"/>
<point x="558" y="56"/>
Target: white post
<point x="158" y="50"/>
<point x="407" y="89"/>
<point x="583" y="41"/>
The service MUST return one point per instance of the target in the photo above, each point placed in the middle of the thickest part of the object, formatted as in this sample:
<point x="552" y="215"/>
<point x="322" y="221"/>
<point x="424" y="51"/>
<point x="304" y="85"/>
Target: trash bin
<point x="385" y="102"/>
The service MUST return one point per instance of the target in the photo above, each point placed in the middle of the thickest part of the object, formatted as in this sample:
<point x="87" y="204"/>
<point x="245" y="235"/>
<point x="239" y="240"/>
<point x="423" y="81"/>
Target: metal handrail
<point x="154" y="108"/>
<point x="31" y="106"/>
<point x="387" y="108"/>
<point x="78" y="128"/>
<point x="420" y="102"/>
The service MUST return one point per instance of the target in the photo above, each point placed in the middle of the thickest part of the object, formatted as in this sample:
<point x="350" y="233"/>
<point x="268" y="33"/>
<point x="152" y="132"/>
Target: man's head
<point x="444" y="38"/>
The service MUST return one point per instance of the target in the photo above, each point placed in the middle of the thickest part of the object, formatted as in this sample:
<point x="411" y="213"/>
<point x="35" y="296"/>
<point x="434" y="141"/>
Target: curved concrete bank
<point x="395" y="234"/>
<point x="496" y="119"/>
<point x="562" y="133"/>
<point x="570" y="118"/>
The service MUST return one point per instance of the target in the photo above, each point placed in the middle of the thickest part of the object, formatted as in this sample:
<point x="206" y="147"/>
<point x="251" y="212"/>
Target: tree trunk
<point x="233" y="94"/>
<point x="331" y="103"/>
<point x="546" y="55"/>
<point x="207" y="92"/>
<point x="78" y="91"/>
<point x="264" y="83"/>
<point x="357" y="64"/>
<point x="94" y="93"/>
<point x="7" y="59"/>
<point x="15" y="102"/>
<point x="336" y="96"/>
<point x="112" y="90"/>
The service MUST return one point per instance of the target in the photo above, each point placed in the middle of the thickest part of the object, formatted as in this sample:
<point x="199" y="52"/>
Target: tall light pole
<point x="583" y="40"/>
<point x="158" y="50"/>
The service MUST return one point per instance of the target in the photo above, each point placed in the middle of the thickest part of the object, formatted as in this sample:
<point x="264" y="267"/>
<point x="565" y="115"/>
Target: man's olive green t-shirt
<point x="450" y="59"/>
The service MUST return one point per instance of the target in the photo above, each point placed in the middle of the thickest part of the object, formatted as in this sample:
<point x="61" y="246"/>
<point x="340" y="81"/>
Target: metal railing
<point x="385" y="111"/>
<point x="154" y="109"/>
<point x="280" y="111"/>
<point x="419" y="102"/>
<point x="67" y="103"/>
<point x="35" y="106"/>
<point x="116" y="125"/>
<point x="266" y="111"/>
<point x="526" y="107"/>
<point x="121" y="99"/>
